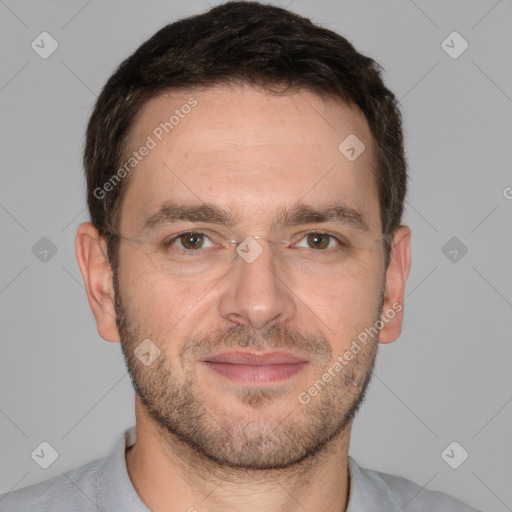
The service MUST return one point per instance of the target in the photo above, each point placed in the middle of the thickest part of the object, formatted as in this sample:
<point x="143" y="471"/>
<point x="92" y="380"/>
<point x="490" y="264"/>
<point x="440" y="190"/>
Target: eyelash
<point x="169" y="242"/>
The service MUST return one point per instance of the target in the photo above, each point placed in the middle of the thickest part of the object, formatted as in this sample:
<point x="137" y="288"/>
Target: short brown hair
<point x="249" y="43"/>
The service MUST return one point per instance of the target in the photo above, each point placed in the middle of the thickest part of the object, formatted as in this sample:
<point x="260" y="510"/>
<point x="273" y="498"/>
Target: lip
<point x="246" y="367"/>
<point x="253" y="359"/>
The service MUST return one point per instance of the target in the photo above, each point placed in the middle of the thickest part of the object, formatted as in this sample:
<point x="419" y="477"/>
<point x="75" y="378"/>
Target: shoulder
<point x="73" y="490"/>
<point x="400" y="492"/>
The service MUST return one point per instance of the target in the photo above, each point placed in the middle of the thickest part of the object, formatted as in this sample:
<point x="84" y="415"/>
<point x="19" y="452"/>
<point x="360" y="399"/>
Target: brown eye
<point x="318" y="240"/>
<point x="191" y="240"/>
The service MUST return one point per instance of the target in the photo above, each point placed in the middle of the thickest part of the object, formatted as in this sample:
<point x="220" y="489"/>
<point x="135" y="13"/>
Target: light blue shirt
<point x="104" y="486"/>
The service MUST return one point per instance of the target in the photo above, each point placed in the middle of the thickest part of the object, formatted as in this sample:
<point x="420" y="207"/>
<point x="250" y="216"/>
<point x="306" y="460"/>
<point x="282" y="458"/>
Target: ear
<point x="396" y="277"/>
<point x="91" y="254"/>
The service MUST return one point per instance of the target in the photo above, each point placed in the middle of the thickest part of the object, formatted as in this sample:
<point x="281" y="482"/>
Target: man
<point x="246" y="181"/>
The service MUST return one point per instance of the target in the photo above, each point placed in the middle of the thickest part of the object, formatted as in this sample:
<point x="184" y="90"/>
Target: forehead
<point x="250" y="152"/>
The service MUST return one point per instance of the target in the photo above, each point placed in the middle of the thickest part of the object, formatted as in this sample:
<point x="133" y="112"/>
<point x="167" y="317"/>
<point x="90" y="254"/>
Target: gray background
<point x="446" y="379"/>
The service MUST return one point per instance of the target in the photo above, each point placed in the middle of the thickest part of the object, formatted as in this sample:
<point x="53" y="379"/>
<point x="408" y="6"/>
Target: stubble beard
<point x="231" y="441"/>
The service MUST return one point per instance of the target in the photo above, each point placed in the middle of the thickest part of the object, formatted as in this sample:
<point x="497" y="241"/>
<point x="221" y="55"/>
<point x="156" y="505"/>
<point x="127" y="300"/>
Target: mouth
<point x="245" y="367"/>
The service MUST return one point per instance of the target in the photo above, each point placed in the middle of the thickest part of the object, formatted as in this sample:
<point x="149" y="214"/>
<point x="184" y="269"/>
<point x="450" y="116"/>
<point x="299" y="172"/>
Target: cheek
<point x="163" y="306"/>
<point x="345" y="302"/>
<point x="145" y="299"/>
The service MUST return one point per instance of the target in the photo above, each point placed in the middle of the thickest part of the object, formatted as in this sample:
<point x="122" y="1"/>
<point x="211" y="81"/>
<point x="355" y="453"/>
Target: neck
<point x="169" y="475"/>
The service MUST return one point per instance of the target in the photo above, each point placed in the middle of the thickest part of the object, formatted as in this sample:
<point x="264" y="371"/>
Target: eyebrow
<point x="300" y="213"/>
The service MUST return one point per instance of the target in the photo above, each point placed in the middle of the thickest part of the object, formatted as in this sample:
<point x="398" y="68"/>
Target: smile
<point x="255" y="368"/>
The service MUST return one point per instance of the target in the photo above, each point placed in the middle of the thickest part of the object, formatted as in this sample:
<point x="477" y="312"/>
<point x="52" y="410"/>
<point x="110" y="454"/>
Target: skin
<point x="204" y="441"/>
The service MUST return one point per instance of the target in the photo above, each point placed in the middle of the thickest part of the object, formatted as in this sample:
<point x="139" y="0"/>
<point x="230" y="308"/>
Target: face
<point x="241" y="338"/>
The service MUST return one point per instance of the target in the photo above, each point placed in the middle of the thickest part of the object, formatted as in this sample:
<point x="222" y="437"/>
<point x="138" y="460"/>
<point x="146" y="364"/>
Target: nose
<point x="258" y="292"/>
